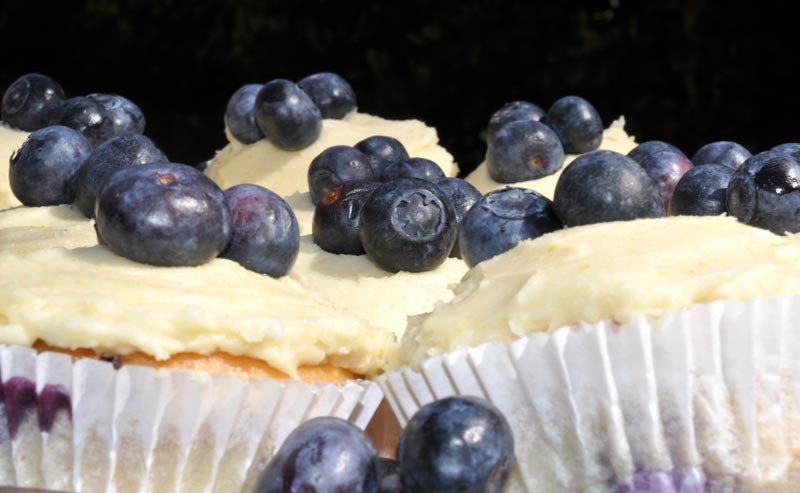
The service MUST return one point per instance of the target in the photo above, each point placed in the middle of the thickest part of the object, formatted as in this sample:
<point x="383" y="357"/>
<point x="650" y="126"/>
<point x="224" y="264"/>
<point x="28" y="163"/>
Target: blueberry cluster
<point x="373" y="198"/>
<point x="406" y="215"/>
<point x="456" y="444"/>
<point x="146" y="208"/>
<point x="525" y="143"/>
<point x="289" y="115"/>
<point x="171" y="214"/>
<point x="35" y="101"/>
<point x="657" y="178"/>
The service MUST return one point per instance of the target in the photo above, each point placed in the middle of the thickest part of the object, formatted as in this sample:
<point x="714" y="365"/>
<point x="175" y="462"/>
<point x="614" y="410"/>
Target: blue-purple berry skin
<point x="407" y="224"/>
<point x="456" y="445"/>
<point x="125" y="115"/>
<point x="32" y="102"/>
<point x="266" y="236"/>
<point x="332" y="94"/>
<point x="462" y="196"/>
<point x="792" y="148"/>
<point x="666" y="168"/>
<point x="322" y="455"/>
<point x="240" y="116"/>
<point x="118" y="152"/>
<point x="382" y="150"/>
<point x="337" y="217"/>
<point x="723" y="152"/>
<point x="512" y="112"/>
<point x="287" y="116"/>
<point x="523" y="150"/>
<point x="89" y="118"/>
<point x="765" y="192"/>
<point x="43" y="171"/>
<point x="413" y="167"/>
<point x="388" y="476"/>
<point x="164" y="214"/>
<point x="701" y="191"/>
<point x="602" y="186"/>
<point x="334" y="166"/>
<point x="503" y="218"/>
<point x="648" y="148"/>
<point x="577" y="124"/>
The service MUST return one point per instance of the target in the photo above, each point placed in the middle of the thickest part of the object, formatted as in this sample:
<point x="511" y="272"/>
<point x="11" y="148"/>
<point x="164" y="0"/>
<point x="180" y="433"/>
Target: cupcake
<point x="129" y="377"/>
<point x="639" y="356"/>
<point x="286" y="172"/>
<point x="350" y="282"/>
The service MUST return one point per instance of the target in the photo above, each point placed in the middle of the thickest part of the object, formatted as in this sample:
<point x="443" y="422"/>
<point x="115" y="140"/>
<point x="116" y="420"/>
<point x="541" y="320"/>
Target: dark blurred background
<point x="688" y="72"/>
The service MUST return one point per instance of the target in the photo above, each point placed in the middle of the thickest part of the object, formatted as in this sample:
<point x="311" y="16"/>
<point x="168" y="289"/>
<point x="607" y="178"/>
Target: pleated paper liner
<point x="84" y="426"/>
<point x="702" y="400"/>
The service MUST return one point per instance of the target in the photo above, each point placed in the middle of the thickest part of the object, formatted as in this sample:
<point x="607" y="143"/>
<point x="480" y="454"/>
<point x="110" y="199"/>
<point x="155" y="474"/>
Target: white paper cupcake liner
<point x="703" y="400"/>
<point x="84" y="426"/>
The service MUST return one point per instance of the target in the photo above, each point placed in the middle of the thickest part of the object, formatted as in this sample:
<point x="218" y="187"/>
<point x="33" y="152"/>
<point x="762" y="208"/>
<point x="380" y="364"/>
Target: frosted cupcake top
<point x="614" y="139"/>
<point x="609" y="271"/>
<point x="286" y="172"/>
<point x="67" y="291"/>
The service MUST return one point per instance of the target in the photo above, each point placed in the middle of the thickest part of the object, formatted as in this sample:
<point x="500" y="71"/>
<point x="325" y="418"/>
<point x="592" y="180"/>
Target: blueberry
<point x="723" y="152"/>
<point x="240" y="116"/>
<point x="701" y="191"/>
<point x="503" y="218"/>
<point x="388" y="476"/>
<point x="334" y="166"/>
<point x="666" y="168"/>
<point x="89" y="118"/>
<point x="332" y="94"/>
<point x="792" y="148"/>
<point x="322" y="455"/>
<point x="456" y="445"/>
<point x="463" y="196"/>
<point x="577" y="124"/>
<point x="407" y="224"/>
<point x="523" y="150"/>
<point x="118" y="152"/>
<point x="381" y="151"/>
<point x="287" y="116"/>
<point x="648" y="148"/>
<point x="602" y="186"/>
<point x="125" y="114"/>
<point x="413" y="167"/>
<point x="43" y="171"/>
<point x="266" y="237"/>
<point x="337" y="217"/>
<point x="32" y="102"/>
<point x="163" y="214"/>
<point x="203" y="165"/>
<point x="765" y="192"/>
<point x="512" y="112"/>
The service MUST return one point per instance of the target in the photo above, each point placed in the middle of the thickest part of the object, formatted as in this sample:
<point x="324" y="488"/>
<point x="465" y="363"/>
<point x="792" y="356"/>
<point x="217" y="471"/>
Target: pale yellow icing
<point x="286" y="172"/>
<point x="10" y="141"/>
<point x="356" y="285"/>
<point x="614" y="139"/>
<point x="85" y="296"/>
<point x="611" y="271"/>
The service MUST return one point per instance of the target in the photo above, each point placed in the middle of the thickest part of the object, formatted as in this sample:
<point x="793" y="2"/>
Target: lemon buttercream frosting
<point x="10" y="141"/>
<point x="611" y="271"/>
<point x="61" y="287"/>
